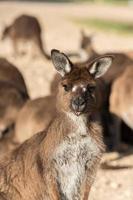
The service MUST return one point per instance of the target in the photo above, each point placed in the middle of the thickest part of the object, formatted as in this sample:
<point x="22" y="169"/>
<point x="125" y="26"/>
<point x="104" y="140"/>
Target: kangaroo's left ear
<point x="100" y="66"/>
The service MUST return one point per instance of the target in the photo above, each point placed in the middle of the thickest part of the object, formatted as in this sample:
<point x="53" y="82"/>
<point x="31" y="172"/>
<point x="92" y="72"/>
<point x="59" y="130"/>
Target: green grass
<point x="113" y="2"/>
<point x="106" y="25"/>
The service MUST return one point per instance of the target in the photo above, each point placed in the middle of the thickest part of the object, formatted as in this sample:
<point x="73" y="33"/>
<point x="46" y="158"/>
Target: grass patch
<point x="106" y="25"/>
<point x="114" y="2"/>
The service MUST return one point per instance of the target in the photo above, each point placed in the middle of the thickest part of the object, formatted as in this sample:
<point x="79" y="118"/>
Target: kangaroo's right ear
<point x="61" y="62"/>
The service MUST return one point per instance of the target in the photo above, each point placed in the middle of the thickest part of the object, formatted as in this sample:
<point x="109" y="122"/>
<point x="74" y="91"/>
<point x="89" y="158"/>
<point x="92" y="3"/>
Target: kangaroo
<point x="11" y="102"/>
<point x="13" y="93"/>
<point x="61" y="162"/>
<point x="10" y="73"/>
<point x="106" y="118"/>
<point x="36" y="114"/>
<point x="34" y="117"/>
<point x="86" y="47"/>
<point x="25" y="28"/>
<point x="121" y="99"/>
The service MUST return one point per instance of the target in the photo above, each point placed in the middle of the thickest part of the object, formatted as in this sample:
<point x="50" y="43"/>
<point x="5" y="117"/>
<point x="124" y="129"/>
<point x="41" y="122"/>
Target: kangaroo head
<point x="77" y="88"/>
<point x="86" y="41"/>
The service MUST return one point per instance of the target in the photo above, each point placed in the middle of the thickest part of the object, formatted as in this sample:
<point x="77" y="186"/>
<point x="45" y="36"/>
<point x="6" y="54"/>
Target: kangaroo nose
<point x="78" y="104"/>
<point x="79" y="101"/>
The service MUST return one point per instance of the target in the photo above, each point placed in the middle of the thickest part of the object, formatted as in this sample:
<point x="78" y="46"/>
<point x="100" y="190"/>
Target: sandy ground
<point x="59" y="32"/>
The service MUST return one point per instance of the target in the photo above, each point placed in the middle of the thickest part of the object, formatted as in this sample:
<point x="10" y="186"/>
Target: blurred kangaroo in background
<point x="10" y="73"/>
<point x="121" y="100"/>
<point x="86" y="46"/>
<point x="13" y="95"/>
<point x="25" y="28"/>
<point x="34" y="117"/>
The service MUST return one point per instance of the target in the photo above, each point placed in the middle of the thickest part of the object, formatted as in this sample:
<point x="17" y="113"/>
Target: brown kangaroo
<point x="25" y="28"/>
<point x="13" y="93"/>
<point x="61" y="162"/>
<point x="121" y="99"/>
<point x="36" y="114"/>
<point x="107" y="119"/>
<point x="86" y="47"/>
<point x="121" y="96"/>
<point x="11" y="102"/>
<point x="34" y="117"/>
<point x="10" y="73"/>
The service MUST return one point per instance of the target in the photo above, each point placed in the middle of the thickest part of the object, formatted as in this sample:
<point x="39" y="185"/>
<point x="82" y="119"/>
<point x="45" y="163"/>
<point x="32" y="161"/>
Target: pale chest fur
<point x="77" y="153"/>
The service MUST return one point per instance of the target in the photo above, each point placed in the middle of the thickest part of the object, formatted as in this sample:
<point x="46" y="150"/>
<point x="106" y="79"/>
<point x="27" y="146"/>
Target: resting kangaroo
<point x="61" y="162"/>
<point x="13" y="95"/>
<point x="121" y="100"/>
<point x="9" y="73"/>
<point x="86" y="47"/>
<point x="25" y="28"/>
<point x="34" y="117"/>
<point x="36" y="114"/>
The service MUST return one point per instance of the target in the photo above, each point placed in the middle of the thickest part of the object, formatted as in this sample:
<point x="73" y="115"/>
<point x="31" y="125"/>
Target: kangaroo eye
<point x="91" y="88"/>
<point x="67" y="88"/>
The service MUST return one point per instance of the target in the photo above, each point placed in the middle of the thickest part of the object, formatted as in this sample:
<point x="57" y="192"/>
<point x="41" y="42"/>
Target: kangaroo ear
<point x="92" y="36"/>
<point x="61" y="62"/>
<point x="82" y="32"/>
<point x="100" y="66"/>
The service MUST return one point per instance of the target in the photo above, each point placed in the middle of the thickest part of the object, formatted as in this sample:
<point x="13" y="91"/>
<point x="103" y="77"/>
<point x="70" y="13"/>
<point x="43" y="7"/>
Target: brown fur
<point x="30" y="172"/>
<point x="11" y="102"/>
<point x="10" y="73"/>
<point x="86" y="46"/>
<point x="30" y="164"/>
<point x="37" y="114"/>
<point x="122" y="95"/>
<point x="13" y="93"/>
<point x="111" y="137"/>
<point x="25" y="28"/>
<point x="34" y="117"/>
<point x="122" y="60"/>
<point x="54" y="84"/>
<point x="120" y="104"/>
<point x="101" y="89"/>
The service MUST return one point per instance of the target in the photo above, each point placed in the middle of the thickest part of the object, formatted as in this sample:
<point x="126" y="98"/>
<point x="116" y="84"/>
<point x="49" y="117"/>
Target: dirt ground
<point x="61" y="33"/>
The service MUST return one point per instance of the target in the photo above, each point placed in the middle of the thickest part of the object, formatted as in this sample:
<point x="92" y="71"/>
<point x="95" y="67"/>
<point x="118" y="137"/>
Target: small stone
<point x="114" y="185"/>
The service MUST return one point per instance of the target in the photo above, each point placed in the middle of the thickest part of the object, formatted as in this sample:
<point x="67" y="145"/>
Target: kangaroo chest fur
<point x="73" y="157"/>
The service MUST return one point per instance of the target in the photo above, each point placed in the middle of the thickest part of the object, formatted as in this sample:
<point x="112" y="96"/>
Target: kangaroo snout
<point x="78" y="104"/>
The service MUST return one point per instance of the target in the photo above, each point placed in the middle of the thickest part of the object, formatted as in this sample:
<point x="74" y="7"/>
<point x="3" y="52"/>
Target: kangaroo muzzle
<point x="78" y="105"/>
